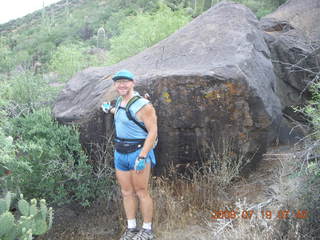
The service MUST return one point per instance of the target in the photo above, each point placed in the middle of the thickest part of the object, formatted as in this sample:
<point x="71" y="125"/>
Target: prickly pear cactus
<point x="34" y="219"/>
<point x="6" y="223"/>
<point x="3" y="206"/>
<point x="5" y="203"/>
<point x="23" y="207"/>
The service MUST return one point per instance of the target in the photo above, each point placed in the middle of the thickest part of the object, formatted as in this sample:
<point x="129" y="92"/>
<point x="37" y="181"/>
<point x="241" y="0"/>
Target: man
<point x="136" y="134"/>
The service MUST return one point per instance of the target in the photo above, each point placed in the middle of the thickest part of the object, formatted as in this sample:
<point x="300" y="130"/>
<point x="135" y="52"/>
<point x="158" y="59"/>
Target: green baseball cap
<point x="123" y="74"/>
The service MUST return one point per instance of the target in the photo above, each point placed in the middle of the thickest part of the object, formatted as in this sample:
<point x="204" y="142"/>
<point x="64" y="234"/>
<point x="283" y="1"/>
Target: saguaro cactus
<point x="101" y="37"/>
<point x="34" y="219"/>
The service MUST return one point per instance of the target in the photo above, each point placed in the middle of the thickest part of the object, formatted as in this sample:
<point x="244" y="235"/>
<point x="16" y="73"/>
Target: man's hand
<point x="147" y="96"/>
<point x="106" y="107"/>
<point x="140" y="164"/>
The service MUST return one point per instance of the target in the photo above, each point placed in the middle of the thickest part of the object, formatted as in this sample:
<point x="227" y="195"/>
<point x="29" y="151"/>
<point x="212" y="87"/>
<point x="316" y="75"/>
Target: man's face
<point x="124" y="86"/>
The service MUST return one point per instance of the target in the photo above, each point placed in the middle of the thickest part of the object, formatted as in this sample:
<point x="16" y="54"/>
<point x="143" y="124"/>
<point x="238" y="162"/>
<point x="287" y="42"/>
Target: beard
<point x="124" y="92"/>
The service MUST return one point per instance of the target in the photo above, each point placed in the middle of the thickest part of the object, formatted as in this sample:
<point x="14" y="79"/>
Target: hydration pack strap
<point x="128" y="113"/>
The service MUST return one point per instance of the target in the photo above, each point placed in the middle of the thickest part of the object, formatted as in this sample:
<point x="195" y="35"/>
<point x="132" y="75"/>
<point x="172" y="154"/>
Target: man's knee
<point x="142" y="193"/>
<point x="128" y="193"/>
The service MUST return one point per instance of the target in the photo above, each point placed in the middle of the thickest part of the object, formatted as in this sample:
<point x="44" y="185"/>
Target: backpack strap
<point x="128" y="113"/>
<point x="118" y="102"/>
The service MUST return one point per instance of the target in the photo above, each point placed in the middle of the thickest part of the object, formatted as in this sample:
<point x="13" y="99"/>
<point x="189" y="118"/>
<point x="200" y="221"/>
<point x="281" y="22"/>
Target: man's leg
<point x="140" y="184"/>
<point x="129" y="198"/>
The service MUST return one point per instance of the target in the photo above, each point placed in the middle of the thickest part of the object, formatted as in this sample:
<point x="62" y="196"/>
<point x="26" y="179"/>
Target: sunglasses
<point x="123" y="81"/>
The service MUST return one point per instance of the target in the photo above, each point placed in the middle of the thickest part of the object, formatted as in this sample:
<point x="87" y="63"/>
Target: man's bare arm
<point x="148" y="116"/>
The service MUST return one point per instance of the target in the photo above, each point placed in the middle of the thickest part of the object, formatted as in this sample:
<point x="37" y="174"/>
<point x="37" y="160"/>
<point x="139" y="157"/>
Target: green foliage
<point x="9" y="165"/>
<point x="6" y="59"/>
<point x="260" y="8"/>
<point x="69" y="59"/>
<point x="6" y="149"/>
<point x="144" y="30"/>
<point x="30" y="223"/>
<point x="25" y="92"/>
<point x="312" y="110"/>
<point x="10" y="59"/>
<point x="59" y="168"/>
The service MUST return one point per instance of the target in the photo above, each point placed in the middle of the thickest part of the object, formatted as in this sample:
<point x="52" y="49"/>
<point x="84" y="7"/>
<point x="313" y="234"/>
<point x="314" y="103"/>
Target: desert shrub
<point x="25" y="92"/>
<point x="312" y="110"/>
<point x="9" y="166"/>
<point x="6" y="60"/>
<point x="144" y="30"/>
<point x="223" y="160"/>
<point x="60" y="171"/>
<point x="69" y="59"/>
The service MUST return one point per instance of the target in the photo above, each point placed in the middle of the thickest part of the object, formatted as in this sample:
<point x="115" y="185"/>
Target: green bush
<point x="10" y="59"/>
<point x="69" y="59"/>
<point x="9" y="165"/>
<point x="144" y="30"/>
<point x="312" y="110"/>
<point x="59" y="168"/>
<point x="25" y="92"/>
<point x="6" y="59"/>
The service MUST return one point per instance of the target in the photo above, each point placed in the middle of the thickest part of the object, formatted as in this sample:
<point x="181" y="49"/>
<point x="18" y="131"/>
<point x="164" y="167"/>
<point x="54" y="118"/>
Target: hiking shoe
<point x="144" y="234"/>
<point x="129" y="234"/>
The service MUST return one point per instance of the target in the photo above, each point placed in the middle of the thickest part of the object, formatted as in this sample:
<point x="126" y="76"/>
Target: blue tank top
<point x="126" y="128"/>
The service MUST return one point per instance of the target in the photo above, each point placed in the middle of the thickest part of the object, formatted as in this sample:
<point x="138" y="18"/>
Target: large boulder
<point x="301" y="14"/>
<point x="210" y="82"/>
<point x="291" y="33"/>
<point x="294" y="60"/>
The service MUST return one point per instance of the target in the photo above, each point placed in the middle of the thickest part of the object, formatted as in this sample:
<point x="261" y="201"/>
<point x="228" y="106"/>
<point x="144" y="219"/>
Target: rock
<point x="291" y="33"/>
<point x="303" y="15"/>
<point x="291" y="52"/>
<point x="211" y="80"/>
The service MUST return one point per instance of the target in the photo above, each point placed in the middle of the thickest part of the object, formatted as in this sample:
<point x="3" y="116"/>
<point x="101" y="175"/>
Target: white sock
<point x="147" y="226"/>
<point x="132" y="223"/>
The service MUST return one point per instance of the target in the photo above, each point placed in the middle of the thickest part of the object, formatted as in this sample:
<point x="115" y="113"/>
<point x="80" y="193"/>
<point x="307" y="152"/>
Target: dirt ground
<point x="97" y="222"/>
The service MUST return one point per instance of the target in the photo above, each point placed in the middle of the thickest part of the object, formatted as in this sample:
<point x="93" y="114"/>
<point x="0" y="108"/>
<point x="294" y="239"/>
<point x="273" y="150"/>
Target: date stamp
<point x="264" y="214"/>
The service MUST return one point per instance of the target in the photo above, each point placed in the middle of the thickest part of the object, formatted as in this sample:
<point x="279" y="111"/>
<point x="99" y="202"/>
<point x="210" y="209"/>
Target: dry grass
<point x="184" y="204"/>
<point x="187" y="199"/>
